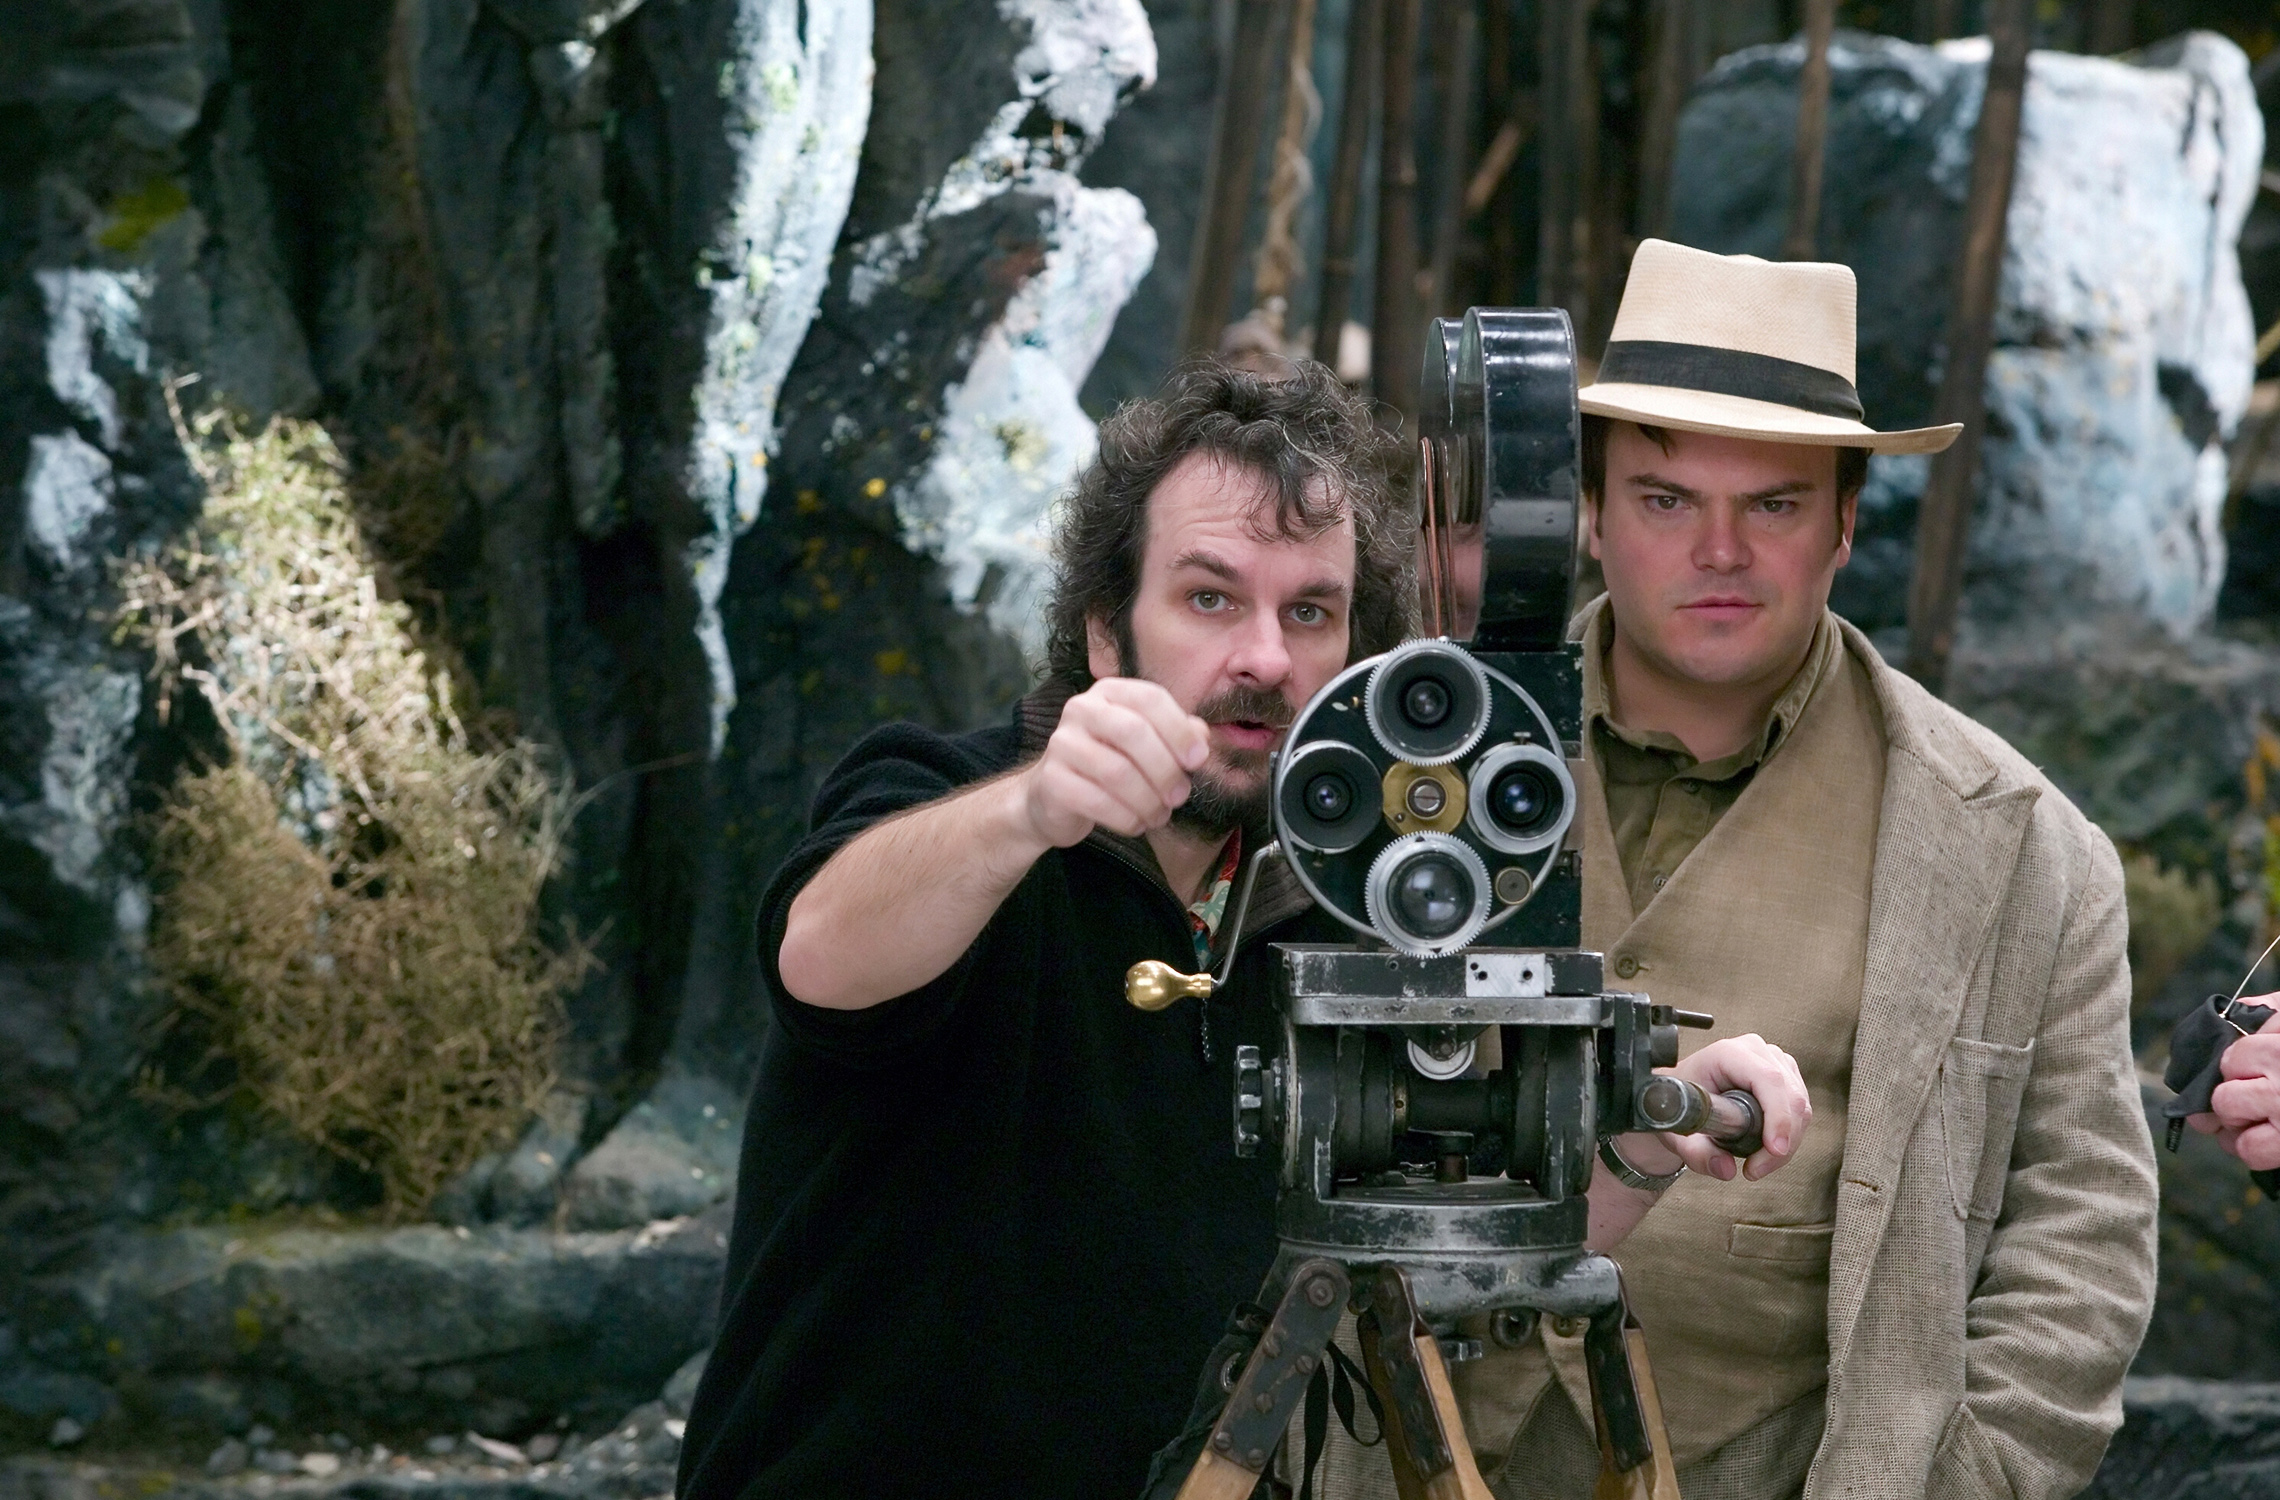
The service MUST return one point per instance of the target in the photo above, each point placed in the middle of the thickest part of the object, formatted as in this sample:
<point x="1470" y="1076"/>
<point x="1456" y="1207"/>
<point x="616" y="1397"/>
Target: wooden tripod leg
<point x="1656" y="1479"/>
<point x="1463" y="1481"/>
<point x="1424" y="1435"/>
<point x="1274" y="1378"/>
<point x="1216" y="1478"/>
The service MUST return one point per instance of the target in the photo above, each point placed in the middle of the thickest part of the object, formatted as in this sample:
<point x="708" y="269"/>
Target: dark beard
<point x="1215" y="808"/>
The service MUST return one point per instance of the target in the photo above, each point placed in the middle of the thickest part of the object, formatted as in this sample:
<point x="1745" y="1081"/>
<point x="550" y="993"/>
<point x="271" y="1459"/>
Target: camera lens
<point x="1432" y="895"/>
<point x="1328" y="796"/>
<point x="1519" y="799"/>
<point x="1427" y="893"/>
<point x="1426" y="703"/>
<point x="1522" y="799"/>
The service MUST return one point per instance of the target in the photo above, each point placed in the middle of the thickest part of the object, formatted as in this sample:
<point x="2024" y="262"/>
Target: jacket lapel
<point x="1947" y="838"/>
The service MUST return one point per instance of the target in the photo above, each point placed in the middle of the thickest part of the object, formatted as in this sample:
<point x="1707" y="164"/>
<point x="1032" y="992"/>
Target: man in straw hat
<point x="1940" y="1294"/>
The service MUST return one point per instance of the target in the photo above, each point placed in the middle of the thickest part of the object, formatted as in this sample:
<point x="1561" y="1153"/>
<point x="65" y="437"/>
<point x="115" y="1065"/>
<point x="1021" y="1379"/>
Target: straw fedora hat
<point x="1745" y="347"/>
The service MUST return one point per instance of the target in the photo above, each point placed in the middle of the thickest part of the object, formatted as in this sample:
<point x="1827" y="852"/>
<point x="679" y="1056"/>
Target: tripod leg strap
<point x="1424" y="1434"/>
<point x="1274" y="1378"/>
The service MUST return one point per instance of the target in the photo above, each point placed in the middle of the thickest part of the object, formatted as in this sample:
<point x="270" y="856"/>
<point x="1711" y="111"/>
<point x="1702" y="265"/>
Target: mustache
<point x="1256" y="705"/>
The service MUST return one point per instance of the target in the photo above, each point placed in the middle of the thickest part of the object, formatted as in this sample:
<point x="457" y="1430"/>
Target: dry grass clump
<point x="350" y="907"/>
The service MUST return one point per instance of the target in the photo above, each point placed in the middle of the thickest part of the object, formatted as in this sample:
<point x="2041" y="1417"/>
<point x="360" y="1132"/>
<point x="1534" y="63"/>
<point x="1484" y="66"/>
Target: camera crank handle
<point x="1732" y="1120"/>
<point x="1152" y="984"/>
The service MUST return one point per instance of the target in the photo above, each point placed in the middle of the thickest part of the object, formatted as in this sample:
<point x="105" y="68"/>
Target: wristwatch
<point x="1632" y="1177"/>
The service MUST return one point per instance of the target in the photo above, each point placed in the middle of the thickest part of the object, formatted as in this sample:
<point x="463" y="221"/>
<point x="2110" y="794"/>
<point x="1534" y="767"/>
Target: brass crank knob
<point x="1152" y="984"/>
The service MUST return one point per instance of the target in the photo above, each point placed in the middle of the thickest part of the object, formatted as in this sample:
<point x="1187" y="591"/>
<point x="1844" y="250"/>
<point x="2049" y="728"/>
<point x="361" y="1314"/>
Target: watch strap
<point x="1632" y="1177"/>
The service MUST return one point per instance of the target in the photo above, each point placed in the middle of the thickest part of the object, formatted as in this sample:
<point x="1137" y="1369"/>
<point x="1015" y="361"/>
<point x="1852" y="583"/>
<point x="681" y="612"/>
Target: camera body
<point x="1443" y="1083"/>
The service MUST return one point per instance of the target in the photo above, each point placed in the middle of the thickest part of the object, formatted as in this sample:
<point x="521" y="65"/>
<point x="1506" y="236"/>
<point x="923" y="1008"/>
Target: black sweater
<point x="986" y="1232"/>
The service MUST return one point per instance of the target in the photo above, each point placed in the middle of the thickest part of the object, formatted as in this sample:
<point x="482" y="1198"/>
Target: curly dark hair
<point x="1315" y="442"/>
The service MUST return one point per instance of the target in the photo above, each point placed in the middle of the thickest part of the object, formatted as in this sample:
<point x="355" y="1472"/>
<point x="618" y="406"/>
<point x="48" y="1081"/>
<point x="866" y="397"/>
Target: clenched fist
<point x="1752" y="1063"/>
<point x="1120" y="760"/>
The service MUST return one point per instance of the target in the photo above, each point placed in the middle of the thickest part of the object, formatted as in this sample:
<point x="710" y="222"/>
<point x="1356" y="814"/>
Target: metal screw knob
<point x="1250" y="1100"/>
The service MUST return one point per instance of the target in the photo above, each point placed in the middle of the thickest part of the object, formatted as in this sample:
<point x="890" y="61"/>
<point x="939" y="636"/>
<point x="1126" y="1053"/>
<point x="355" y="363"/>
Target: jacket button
<point x="1626" y="967"/>
<point x="1567" y="1327"/>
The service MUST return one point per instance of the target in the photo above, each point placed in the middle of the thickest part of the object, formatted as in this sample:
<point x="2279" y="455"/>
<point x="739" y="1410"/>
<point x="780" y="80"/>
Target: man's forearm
<point x="898" y="905"/>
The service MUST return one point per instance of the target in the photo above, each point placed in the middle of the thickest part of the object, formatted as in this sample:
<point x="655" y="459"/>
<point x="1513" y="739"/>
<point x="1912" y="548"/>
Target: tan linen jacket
<point x="1992" y="1271"/>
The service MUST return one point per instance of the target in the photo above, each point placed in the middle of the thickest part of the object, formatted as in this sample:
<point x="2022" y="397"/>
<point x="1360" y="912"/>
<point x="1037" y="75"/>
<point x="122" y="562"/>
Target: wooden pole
<point x="1280" y="262"/>
<point x="1500" y="99"/>
<point x="1803" y="239"/>
<point x="1943" y="521"/>
<point x="1568" y="152"/>
<point x="1396" y="341"/>
<point x="1236" y="135"/>
<point x="1455" y="87"/>
<point x="1357" y="112"/>
<point x="1555" y="151"/>
<point x="1668" y="79"/>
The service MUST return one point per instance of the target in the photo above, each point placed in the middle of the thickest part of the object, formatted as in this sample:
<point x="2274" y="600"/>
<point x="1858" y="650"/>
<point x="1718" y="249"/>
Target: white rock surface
<point x="801" y="90"/>
<point x="2123" y="336"/>
<point x="1013" y="435"/>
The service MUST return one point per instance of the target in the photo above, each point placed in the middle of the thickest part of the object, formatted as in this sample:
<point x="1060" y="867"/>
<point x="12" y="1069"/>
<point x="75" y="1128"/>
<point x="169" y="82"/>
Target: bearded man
<point x="988" y="1220"/>
<point x="1939" y="1297"/>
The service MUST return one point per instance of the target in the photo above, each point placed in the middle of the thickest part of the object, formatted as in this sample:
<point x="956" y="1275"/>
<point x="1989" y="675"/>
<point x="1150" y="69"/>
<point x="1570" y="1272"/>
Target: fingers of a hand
<point x="1111" y="770"/>
<point x="2258" y="1147"/>
<point x="1183" y="734"/>
<point x="2204" y="1123"/>
<point x="2246" y="1102"/>
<point x="1771" y="1075"/>
<point x="1074" y="805"/>
<point x="1140" y="740"/>
<point x="2252" y="1056"/>
<point x="1702" y="1155"/>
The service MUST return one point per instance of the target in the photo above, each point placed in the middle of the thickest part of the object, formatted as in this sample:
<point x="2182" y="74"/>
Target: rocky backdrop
<point x="704" y="369"/>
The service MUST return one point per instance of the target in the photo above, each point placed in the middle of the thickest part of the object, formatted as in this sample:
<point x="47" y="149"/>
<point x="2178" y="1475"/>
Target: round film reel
<point x="1427" y="702"/>
<point x="1520" y="799"/>
<point x="1427" y="894"/>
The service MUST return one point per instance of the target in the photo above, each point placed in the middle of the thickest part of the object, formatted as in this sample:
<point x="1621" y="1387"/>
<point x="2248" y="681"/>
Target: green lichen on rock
<point x="349" y="907"/>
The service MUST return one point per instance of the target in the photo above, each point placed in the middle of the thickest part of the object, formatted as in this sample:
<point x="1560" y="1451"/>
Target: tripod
<point x="1424" y="1435"/>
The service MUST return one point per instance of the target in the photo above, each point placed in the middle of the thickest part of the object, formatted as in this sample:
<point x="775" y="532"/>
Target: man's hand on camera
<point x="2246" y="1118"/>
<point x="1741" y="1062"/>
<point x="1120" y="760"/>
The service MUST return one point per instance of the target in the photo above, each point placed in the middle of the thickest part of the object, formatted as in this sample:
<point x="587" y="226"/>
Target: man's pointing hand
<point x="1120" y="760"/>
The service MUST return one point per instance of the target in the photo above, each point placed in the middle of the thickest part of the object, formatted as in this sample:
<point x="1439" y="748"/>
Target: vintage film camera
<point x="1444" y="1083"/>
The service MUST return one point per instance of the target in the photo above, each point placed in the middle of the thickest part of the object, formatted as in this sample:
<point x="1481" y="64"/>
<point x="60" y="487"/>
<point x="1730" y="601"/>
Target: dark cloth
<point x="2196" y="1054"/>
<point x="985" y="1232"/>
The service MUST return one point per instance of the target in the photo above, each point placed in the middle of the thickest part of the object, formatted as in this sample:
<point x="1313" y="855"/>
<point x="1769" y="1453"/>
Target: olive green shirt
<point x="1660" y="799"/>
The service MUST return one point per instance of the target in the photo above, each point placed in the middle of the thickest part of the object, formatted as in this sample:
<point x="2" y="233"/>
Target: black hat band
<point x="1730" y="372"/>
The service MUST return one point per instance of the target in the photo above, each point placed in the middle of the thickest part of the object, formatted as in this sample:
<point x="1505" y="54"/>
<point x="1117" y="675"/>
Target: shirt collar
<point x="1598" y="709"/>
